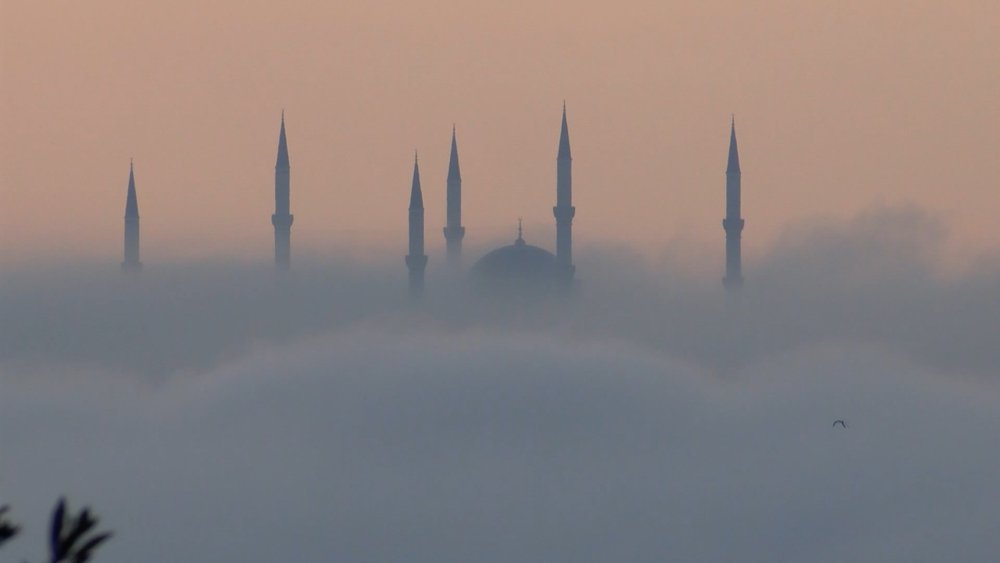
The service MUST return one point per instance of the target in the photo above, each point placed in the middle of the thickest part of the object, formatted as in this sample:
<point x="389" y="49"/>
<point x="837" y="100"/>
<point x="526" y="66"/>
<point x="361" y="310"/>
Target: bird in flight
<point x="840" y="422"/>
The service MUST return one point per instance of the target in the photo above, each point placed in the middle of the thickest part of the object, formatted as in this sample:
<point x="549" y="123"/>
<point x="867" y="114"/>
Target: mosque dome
<point x="518" y="266"/>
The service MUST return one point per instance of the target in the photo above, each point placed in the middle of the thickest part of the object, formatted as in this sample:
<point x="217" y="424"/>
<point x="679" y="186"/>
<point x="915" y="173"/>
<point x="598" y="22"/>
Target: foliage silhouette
<point x="8" y="529"/>
<point x="72" y="539"/>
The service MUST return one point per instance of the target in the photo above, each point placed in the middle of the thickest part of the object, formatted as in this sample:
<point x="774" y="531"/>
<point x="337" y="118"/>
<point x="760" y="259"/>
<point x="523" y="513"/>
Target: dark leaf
<point x="8" y="531"/>
<point x="57" y="525"/>
<point x="81" y="526"/>
<point x="86" y="550"/>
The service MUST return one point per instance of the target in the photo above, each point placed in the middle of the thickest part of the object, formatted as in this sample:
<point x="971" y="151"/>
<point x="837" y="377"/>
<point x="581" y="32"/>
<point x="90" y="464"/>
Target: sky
<point x="210" y="410"/>
<point x="840" y="106"/>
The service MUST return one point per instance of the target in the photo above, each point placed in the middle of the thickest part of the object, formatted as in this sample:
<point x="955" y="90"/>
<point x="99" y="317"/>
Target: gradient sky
<point x="840" y="106"/>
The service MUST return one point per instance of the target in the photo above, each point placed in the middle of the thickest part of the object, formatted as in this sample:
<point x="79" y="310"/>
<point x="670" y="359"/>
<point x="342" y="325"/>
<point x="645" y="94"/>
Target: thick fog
<point x="220" y="412"/>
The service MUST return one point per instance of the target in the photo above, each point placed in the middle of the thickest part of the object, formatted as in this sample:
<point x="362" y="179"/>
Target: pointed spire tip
<point x="416" y="197"/>
<point x="564" y="151"/>
<point x="733" y="164"/>
<point x="454" y="173"/>
<point x="282" y="160"/>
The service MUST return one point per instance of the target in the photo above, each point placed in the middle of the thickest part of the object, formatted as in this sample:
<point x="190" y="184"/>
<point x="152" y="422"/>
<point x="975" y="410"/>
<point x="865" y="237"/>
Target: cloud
<point x="871" y="280"/>
<point x="218" y="413"/>
<point x="382" y="444"/>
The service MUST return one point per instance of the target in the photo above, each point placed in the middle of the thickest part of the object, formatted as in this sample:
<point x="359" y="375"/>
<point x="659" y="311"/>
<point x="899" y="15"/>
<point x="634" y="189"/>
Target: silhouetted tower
<point x="282" y="219"/>
<point x="733" y="223"/>
<point x="454" y="231"/>
<point x="131" y="262"/>
<point x="564" y="210"/>
<point x="416" y="260"/>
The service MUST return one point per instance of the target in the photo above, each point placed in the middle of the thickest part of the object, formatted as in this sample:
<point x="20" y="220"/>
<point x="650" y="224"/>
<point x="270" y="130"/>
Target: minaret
<point x="131" y="262"/>
<point x="733" y="223"/>
<point x="564" y="210"/>
<point x="454" y="231"/>
<point x="282" y="219"/>
<point x="416" y="260"/>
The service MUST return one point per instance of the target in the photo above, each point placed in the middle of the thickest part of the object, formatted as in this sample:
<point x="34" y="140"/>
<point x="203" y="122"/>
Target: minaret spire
<point x="131" y="261"/>
<point x="416" y="260"/>
<point x="564" y="152"/>
<point x="454" y="232"/>
<point x="733" y="164"/>
<point x="282" y="218"/>
<point x="564" y="210"/>
<point x="733" y="223"/>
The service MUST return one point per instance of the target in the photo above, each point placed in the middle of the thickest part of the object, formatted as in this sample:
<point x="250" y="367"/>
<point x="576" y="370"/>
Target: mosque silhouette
<point x="515" y="267"/>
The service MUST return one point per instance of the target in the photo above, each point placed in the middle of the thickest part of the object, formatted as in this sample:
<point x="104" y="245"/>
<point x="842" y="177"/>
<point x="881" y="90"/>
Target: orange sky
<point x="840" y="105"/>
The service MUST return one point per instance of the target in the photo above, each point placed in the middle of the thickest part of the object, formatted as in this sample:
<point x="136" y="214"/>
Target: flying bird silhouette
<point x="840" y="422"/>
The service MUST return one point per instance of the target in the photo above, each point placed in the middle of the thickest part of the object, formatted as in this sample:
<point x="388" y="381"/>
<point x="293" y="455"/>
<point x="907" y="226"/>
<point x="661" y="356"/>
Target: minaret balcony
<point x="732" y="224"/>
<point x="452" y="233"/>
<point x="282" y="221"/>
<point x="564" y="212"/>
<point x="416" y="261"/>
